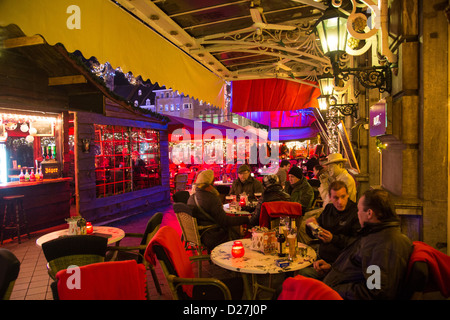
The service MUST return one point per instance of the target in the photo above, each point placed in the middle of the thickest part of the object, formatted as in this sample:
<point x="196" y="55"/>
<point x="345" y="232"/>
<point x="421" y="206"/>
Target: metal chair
<point x="137" y="252"/>
<point x="177" y="269"/>
<point x="9" y="271"/>
<point x="79" y="250"/>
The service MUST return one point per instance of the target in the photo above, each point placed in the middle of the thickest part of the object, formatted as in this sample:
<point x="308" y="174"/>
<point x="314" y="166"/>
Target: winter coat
<point x="381" y="252"/>
<point x="301" y="192"/>
<point x="208" y="199"/>
<point x="250" y="187"/>
<point x="344" y="226"/>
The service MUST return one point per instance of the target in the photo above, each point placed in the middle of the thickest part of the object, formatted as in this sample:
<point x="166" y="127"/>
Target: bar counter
<point x="46" y="203"/>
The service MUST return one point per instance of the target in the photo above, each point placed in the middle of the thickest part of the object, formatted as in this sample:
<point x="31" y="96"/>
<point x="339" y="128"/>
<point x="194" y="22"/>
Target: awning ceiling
<point x="293" y="134"/>
<point x="272" y="95"/>
<point x="102" y="29"/>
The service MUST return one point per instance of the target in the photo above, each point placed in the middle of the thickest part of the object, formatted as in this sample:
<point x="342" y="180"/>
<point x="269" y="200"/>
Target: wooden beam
<point x="23" y="42"/>
<point x="58" y="81"/>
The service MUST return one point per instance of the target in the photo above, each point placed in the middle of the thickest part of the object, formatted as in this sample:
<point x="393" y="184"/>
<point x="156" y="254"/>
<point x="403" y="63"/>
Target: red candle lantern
<point x="242" y="202"/>
<point x="237" y="250"/>
<point x="89" y="228"/>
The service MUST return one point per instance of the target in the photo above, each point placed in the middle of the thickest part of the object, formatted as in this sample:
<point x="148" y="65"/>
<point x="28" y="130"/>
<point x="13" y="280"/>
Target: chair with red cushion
<point x="304" y="288"/>
<point x="277" y="209"/>
<point x="114" y="280"/>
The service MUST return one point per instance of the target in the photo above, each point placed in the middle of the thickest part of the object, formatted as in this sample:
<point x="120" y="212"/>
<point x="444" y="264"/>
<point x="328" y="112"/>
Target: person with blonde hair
<point x="208" y="209"/>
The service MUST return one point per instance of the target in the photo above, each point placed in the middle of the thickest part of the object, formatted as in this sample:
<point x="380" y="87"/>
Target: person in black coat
<point x="207" y="198"/>
<point x="338" y="223"/>
<point x="373" y="266"/>
<point x="273" y="191"/>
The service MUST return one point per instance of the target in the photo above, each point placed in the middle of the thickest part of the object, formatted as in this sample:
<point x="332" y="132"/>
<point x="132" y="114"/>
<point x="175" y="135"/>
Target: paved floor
<point x="33" y="282"/>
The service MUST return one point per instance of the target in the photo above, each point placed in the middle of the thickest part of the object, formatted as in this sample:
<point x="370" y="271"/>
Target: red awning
<point x="272" y="95"/>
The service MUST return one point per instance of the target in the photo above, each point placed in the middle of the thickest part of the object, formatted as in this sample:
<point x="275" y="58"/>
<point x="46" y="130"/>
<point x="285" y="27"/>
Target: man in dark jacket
<point x="246" y="183"/>
<point x="273" y="191"/>
<point x="338" y="224"/>
<point x="374" y="265"/>
<point x="299" y="189"/>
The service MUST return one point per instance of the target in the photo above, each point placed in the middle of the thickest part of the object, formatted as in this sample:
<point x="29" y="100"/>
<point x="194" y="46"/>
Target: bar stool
<point x="14" y="204"/>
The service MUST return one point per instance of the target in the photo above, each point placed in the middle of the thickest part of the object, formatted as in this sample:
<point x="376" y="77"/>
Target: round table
<point x="113" y="234"/>
<point x="257" y="263"/>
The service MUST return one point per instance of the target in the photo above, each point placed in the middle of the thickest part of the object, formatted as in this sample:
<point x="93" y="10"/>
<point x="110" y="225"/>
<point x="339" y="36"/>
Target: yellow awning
<point x="101" y="29"/>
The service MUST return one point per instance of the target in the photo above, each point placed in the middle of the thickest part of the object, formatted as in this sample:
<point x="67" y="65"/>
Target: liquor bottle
<point x="21" y="176"/>
<point x="281" y="242"/>
<point x="44" y="153"/>
<point x="32" y="176"/>
<point x="27" y="176"/>
<point x="41" y="175"/>
<point x="49" y="153"/>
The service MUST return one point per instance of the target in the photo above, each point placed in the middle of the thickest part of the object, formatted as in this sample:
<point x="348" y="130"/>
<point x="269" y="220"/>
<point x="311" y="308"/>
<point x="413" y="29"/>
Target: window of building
<point x="178" y="107"/>
<point x="187" y="106"/>
<point x="166" y="107"/>
<point x="127" y="159"/>
<point x="147" y="102"/>
<point x="161" y="108"/>
<point x="172" y="107"/>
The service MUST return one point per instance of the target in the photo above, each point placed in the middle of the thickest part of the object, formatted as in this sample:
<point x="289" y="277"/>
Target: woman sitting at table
<point x="273" y="191"/>
<point x="210" y="211"/>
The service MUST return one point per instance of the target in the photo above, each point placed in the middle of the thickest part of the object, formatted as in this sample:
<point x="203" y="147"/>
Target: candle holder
<point x="89" y="228"/>
<point x="237" y="250"/>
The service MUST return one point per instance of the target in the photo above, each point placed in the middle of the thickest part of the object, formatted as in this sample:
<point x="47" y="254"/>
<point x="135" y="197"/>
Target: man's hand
<point x="325" y="235"/>
<point x="321" y="266"/>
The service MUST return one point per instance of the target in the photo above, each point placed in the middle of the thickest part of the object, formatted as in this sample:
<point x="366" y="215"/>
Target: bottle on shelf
<point x="21" y="176"/>
<point x="41" y="175"/>
<point x="32" y="176"/>
<point x="27" y="176"/>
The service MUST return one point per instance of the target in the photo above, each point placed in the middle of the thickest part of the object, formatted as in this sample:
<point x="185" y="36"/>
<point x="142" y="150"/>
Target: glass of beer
<point x="291" y="239"/>
<point x="258" y="195"/>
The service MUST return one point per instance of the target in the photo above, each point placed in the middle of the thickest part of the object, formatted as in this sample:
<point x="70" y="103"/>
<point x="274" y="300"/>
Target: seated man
<point x="374" y="265"/>
<point x="299" y="189"/>
<point x="272" y="192"/>
<point x="338" y="226"/>
<point x="246" y="183"/>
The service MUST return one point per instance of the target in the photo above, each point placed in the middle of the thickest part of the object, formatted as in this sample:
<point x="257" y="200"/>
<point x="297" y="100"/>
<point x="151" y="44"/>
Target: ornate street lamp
<point x="327" y="88"/>
<point x="331" y="29"/>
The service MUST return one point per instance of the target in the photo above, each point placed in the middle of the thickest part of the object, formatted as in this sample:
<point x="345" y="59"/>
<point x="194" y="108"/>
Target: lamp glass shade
<point x="332" y="31"/>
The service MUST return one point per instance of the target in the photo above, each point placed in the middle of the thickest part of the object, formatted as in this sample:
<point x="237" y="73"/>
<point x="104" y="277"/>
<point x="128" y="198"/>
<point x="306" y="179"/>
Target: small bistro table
<point x="113" y="234"/>
<point x="257" y="263"/>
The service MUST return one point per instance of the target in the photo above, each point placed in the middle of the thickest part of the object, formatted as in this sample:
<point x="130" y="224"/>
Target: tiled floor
<point x="33" y="282"/>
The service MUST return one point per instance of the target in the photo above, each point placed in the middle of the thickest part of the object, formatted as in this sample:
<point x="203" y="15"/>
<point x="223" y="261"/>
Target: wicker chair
<point x="9" y="271"/>
<point x="136" y="252"/>
<point x="79" y="250"/>
<point x="191" y="230"/>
